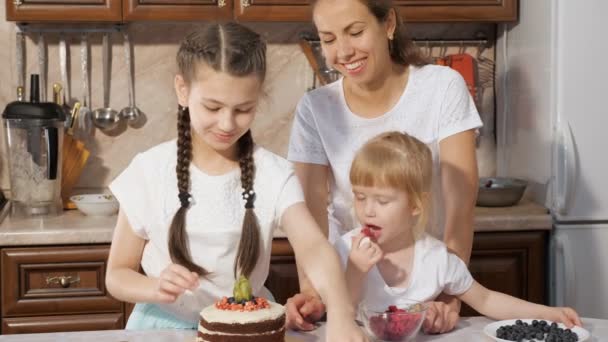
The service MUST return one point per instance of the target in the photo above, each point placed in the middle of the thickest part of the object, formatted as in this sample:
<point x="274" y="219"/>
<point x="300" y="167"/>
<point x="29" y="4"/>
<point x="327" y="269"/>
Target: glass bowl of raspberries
<point x="394" y="323"/>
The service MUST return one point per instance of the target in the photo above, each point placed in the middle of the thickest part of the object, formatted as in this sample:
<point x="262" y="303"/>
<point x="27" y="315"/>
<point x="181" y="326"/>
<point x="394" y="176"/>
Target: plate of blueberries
<point x="534" y="330"/>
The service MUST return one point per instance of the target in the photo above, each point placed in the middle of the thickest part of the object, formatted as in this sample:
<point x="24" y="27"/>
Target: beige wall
<point x="155" y="45"/>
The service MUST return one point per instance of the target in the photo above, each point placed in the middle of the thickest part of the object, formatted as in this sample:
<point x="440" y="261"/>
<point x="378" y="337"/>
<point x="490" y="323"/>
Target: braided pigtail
<point x="249" y="246"/>
<point x="178" y="238"/>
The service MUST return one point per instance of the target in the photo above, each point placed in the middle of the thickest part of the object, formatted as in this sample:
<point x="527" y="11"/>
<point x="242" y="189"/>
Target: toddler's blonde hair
<point x="399" y="161"/>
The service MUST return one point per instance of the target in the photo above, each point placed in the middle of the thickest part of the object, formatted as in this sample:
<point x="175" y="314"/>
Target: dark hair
<point x="402" y="48"/>
<point x="237" y="50"/>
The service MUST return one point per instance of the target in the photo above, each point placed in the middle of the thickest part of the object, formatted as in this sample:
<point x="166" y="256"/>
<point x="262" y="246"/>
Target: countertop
<point x="468" y="330"/>
<point x="72" y="227"/>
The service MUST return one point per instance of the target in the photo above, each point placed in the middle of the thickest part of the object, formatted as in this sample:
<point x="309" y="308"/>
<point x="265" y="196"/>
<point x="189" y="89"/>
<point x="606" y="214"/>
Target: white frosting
<point x="208" y="332"/>
<point x="212" y="314"/>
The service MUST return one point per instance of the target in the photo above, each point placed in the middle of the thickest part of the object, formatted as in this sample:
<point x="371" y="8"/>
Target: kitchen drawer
<point x="39" y="281"/>
<point x="48" y="324"/>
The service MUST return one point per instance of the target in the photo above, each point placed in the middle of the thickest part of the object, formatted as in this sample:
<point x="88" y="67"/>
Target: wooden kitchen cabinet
<point x="457" y="10"/>
<point x="62" y="11"/>
<point x="512" y="263"/>
<point x="509" y="262"/>
<point x="176" y="10"/>
<point x="243" y="10"/>
<point x="48" y="289"/>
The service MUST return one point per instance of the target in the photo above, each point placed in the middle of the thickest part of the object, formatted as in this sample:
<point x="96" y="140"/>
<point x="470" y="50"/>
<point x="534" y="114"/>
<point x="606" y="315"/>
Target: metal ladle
<point x="106" y="118"/>
<point x="130" y="113"/>
<point x="85" y="122"/>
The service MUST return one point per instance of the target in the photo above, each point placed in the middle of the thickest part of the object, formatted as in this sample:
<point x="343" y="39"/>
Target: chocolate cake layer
<point x="276" y="336"/>
<point x="245" y="328"/>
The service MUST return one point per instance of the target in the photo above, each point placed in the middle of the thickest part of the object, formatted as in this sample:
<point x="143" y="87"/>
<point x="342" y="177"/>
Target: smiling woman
<point x="386" y="85"/>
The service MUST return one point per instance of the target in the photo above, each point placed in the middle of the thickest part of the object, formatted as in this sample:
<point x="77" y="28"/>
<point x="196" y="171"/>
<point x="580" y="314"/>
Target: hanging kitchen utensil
<point x="20" y="57"/>
<point x="85" y="117"/>
<point x="42" y="70"/>
<point x="74" y="158"/>
<point x="130" y="113"/>
<point x="106" y="118"/>
<point x="63" y="68"/>
<point x="465" y="65"/>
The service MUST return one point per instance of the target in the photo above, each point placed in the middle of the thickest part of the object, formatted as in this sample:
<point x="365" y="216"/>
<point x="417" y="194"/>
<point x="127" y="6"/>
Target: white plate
<point x="491" y="328"/>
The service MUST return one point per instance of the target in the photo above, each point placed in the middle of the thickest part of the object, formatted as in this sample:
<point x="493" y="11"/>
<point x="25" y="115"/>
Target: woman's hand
<point x="302" y="311"/>
<point x="364" y="254"/>
<point x="440" y="318"/>
<point x="172" y="282"/>
<point x="563" y="315"/>
<point x="344" y="329"/>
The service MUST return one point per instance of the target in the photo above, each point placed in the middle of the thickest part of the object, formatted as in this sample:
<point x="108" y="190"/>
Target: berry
<point x="538" y="330"/>
<point x="393" y="326"/>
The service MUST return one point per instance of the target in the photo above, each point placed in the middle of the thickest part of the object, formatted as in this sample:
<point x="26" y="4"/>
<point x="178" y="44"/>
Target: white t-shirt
<point x="435" y="270"/>
<point x="147" y="192"/>
<point x="434" y="105"/>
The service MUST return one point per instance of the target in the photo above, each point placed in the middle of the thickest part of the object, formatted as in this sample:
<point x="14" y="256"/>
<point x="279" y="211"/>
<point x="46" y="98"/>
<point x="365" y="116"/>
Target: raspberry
<point x="395" y="326"/>
<point x="367" y="231"/>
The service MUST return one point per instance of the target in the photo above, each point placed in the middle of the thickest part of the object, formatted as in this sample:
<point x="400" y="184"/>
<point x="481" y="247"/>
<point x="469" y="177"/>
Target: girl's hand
<point x="564" y="315"/>
<point x="302" y="310"/>
<point x="440" y="318"/>
<point x="364" y="255"/>
<point x="173" y="281"/>
<point x="344" y="331"/>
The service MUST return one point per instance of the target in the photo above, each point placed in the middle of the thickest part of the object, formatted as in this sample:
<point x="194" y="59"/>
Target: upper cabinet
<point x="457" y="10"/>
<point x="64" y="10"/>
<point x="242" y="10"/>
<point x="176" y="10"/>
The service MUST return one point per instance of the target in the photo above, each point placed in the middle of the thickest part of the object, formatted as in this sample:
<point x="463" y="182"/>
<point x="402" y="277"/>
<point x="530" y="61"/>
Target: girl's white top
<point x="434" y="105"/>
<point x="435" y="270"/>
<point x="148" y="195"/>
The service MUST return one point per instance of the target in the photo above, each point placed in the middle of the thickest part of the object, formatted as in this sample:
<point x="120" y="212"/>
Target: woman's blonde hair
<point x="400" y="161"/>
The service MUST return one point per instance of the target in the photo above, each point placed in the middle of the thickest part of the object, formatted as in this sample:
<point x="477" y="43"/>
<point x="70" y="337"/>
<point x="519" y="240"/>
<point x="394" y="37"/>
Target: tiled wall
<point x="289" y="76"/>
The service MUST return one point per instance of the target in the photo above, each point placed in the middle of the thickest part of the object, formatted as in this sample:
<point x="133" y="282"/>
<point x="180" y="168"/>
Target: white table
<point x="468" y="330"/>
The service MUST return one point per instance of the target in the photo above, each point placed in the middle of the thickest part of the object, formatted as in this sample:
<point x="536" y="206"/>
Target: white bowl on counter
<point x="96" y="204"/>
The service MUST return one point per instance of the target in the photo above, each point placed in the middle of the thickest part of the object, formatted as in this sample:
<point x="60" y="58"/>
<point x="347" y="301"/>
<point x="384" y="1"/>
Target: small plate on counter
<point x="96" y="204"/>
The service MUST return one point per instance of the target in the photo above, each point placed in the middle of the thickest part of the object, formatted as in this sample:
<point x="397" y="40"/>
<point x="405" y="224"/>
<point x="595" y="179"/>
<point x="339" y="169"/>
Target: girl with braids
<point x="386" y="85"/>
<point x="199" y="211"/>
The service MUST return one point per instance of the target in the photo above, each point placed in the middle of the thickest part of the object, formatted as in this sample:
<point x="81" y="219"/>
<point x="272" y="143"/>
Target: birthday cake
<point x="242" y="318"/>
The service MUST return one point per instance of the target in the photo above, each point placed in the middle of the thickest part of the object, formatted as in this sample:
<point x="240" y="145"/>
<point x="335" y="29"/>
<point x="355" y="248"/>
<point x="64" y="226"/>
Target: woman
<point x="386" y="85"/>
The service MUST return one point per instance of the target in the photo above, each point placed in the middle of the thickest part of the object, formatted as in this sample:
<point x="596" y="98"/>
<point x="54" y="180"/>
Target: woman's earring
<point x="181" y="108"/>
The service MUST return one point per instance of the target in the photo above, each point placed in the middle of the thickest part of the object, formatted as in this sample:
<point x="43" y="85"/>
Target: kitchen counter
<point x="468" y="330"/>
<point x="72" y="227"/>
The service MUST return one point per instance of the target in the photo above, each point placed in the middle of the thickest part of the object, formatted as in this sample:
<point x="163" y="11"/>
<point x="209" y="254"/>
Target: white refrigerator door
<point x="579" y="269"/>
<point x="581" y="156"/>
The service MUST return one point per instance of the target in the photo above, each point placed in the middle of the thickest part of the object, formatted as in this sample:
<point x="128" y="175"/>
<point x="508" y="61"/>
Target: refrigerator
<point x="552" y="129"/>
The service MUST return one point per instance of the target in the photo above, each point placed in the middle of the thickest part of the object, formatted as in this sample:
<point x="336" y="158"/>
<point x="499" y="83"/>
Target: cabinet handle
<point x="221" y="3"/>
<point x="17" y="3"/>
<point x="245" y="3"/>
<point x="64" y="281"/>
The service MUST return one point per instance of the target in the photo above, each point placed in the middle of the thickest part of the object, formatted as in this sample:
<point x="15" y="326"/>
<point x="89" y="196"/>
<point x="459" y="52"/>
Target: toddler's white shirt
<point x="434" y="105"/>
<point x="435" y="270"/>
<point x="147" y="192"/>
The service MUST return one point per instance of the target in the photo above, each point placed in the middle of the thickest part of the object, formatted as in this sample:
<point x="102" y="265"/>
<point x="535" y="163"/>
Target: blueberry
<point x="519" y="322"/>
<point x="231" y="300"/>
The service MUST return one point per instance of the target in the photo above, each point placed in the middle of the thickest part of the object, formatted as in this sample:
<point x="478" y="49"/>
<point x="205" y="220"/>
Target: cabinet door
<point x="49" y="324"/>
<point x="511" y="262"/>
<point x="64" y="10"/>
<point x="273" y="10"/>
<point x="282" y="278"/>
<point x="177" y="10"/>
<point x="457" y="10"/>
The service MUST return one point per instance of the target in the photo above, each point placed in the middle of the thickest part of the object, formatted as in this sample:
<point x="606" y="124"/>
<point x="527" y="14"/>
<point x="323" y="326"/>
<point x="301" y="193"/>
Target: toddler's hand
<point x="364" y="254"/>
<point x="173" y="281"/>
<point x="564" y="315"/>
